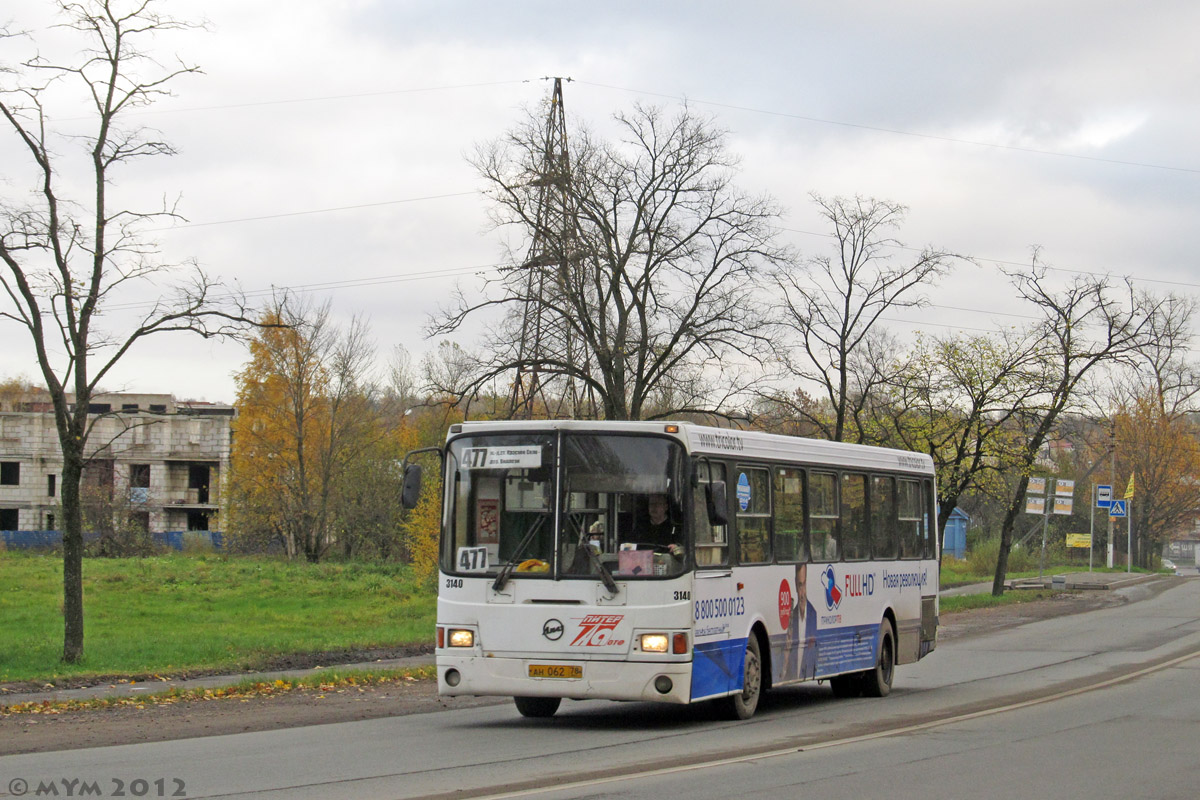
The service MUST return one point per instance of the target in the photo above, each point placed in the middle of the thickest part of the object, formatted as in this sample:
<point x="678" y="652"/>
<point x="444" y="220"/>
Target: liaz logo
<point x="833" y="595"/>
<point x="596" y="631"/>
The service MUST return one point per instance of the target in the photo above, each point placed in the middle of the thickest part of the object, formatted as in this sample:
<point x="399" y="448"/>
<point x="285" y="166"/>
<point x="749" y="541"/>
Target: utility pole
<point x="1112" y="477"/>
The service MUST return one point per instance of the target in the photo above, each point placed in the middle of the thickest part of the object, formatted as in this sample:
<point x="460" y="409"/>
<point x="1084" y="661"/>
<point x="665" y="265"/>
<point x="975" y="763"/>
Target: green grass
<point x="960" y="573"/>
<point x="967" y="602"/>
<point x="180" y="613"/>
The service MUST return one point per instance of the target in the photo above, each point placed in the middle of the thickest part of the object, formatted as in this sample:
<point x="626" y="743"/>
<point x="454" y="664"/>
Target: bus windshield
<point x="620" y="506"/>
<point x="623" y="506"/>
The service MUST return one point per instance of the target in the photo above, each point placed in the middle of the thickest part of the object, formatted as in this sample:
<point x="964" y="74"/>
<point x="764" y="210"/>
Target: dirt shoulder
<point x="71" y="730"/>
<point x="44" y="732"/>
<point x="290" y="662"/>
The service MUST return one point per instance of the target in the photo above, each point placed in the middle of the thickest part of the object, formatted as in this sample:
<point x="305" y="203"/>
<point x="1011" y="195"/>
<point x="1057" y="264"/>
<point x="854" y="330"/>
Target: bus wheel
<point x="878" y="682"/>
<point x="846" y="685"/>
<point x="537" y="706"/>
<point x="743" y="704"/>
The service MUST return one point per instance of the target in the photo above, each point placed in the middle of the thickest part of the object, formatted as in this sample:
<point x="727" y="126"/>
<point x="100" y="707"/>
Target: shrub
<point x="986" y="553"/>
<point x="982" y="558"/>
<point x="196" y="543"/>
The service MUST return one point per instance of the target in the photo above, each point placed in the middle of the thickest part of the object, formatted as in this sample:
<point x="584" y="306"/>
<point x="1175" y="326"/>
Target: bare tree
<point x="68" y="261"/>
<point x="1166" y="364"/>
<point x="834" y="305"/>
<point x="452" y="376"/>
<point x="1089" y="324"/>
<point x="654" y="283"/>
<point x="402" y="380"/>
<point x="1143" y="413"/>
<point x="955" y="398"/>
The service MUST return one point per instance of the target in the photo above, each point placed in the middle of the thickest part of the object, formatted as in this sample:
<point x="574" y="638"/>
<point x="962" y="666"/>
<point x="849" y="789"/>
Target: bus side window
<point x="754" y="515"/>
<point x="929" y="529"/>
<point x="856" y="534"/>
<point x="791" y="540"/>
<point x="884" y="536"/>
<point x="912" y="516"/>
<point x="823" y="508"/>
<point x="712" y="544"/>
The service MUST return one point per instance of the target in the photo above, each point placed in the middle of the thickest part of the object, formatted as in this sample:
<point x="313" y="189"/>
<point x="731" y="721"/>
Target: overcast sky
<point x="324" y="149"/>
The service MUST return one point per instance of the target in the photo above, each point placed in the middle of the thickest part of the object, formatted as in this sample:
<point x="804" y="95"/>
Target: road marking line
<point x="866" y="737"/>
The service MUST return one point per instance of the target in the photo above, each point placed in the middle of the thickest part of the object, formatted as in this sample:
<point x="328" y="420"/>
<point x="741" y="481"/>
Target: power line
<point x="401" y="201"/>
<point x="349" y="283"/>
<point x="977" y="259"/>
<point x="283" y="215"/>
<point x="435" y="273"/>
<point x="898" y="132"/>
<point x="989" y="312"/>
<point x="928" y="324"/>
<point x="1019" y="264"/>
<point x="316" y="99"/>
<point x="314" y="211"/>
<point x="684" y="98"/>
<point x="380" y="280"/>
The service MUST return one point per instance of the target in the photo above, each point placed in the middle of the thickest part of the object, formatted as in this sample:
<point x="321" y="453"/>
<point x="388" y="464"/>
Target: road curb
<point x="1082" y="581"/>
<point x="109" y="691"/>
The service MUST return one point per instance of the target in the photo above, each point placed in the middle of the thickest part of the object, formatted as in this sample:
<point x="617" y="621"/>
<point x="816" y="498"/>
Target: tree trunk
<point x="945" y="509"/>
<point x="1006" y="535"/>
<point x="72" y="559"/>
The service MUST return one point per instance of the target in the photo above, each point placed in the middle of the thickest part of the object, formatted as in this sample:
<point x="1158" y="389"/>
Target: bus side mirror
<point x="717" y="503"/>
<point x="411" y="492"/>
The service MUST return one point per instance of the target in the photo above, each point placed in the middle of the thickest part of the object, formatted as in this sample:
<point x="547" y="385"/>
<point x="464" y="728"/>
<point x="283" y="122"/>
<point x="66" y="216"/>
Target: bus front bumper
<point x="657" y="682"/>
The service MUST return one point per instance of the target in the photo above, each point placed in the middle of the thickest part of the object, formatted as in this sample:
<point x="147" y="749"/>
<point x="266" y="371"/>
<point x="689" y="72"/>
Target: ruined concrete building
<point x="158" y="461"/>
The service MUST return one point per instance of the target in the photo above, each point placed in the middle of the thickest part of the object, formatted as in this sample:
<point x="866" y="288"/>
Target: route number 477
<point x="472" y="559"/>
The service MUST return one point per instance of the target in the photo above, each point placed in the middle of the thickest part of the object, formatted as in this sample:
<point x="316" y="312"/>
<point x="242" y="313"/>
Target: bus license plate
<point x="567" y="671"/>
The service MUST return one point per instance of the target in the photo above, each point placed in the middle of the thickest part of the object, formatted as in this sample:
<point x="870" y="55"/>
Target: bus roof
<point x="729" y="443"/>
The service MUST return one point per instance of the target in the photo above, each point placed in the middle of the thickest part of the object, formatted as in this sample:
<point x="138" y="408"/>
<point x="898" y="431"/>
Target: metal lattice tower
<point x="553" y="245"/>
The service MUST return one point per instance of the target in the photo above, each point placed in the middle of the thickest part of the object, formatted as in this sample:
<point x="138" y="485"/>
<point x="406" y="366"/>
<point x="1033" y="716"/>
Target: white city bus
<point x="676" y="563"/>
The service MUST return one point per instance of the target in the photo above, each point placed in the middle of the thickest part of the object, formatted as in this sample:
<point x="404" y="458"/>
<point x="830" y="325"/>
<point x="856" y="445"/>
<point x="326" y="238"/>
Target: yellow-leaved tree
<point x="1163" y="450"/>
<point x="307" y="430"/>
<point x="422" y="525"/>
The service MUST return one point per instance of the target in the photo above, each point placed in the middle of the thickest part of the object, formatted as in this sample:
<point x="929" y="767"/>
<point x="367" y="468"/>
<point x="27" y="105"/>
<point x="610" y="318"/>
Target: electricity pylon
<point x="547" y="266"/>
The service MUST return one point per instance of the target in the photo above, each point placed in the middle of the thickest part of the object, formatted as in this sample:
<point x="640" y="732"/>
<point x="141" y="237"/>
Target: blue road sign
<point x="1117" y="509"/>
<point x="1103" y="496"/>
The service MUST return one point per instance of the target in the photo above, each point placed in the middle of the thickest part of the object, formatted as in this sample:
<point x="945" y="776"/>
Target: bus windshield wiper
<point x="605" y="575"/>
<point x="511" y="564"/>
<point x="609" y="583"/>
<point x="594" y="559"/>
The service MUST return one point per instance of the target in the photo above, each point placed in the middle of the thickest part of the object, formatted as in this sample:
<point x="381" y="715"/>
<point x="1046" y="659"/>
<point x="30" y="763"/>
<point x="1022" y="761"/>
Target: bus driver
<point x="659" y="529"/>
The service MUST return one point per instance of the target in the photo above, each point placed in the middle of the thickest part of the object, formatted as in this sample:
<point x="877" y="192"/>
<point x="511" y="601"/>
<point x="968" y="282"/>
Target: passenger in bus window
<point x="595" y="536"/>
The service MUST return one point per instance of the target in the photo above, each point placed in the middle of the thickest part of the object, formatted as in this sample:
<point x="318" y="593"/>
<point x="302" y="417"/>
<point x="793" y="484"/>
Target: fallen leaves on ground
<point x="324" y="683"/>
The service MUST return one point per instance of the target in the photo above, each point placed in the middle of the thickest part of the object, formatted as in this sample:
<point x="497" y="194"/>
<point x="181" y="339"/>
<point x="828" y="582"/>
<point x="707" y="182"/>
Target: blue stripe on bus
<point x="718" y="668"/>
<point x="846" y="649"/>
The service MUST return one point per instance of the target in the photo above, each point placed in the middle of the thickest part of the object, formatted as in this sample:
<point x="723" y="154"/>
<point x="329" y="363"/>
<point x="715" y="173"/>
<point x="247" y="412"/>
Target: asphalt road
<point x="1134" y="740"/>
<point x="948" y="730"/>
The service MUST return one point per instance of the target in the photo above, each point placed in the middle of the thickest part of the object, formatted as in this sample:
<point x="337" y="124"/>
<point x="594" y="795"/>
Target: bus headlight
<point x="654" y="642"/>
<point x="460" y="637"/>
